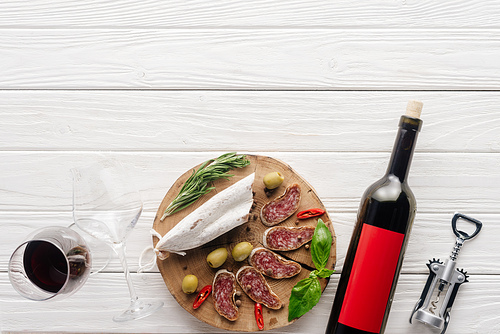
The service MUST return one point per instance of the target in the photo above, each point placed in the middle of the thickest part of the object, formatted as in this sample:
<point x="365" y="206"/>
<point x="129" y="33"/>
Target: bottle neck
<point x="404" y="146"/>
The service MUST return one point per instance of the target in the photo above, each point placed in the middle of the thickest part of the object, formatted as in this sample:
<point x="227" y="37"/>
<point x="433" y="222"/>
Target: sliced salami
<point x="284" y="238"/>
<point x="279" y="209"/>
<point x="255" y="286"/>
<point x="223" y="291"/>
<point x="271" y="264"/>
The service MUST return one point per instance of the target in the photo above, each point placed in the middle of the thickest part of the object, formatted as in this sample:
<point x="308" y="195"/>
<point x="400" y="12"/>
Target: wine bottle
<point x="378" y="243"/>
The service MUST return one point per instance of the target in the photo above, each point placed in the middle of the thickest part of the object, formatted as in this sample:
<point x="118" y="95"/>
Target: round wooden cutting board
<point x="175" y="267"/>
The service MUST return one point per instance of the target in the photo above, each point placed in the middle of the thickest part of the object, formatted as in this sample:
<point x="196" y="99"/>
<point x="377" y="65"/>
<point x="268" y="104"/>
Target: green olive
<point x="217" y="257"/>
<point x="273" y="180"/>
<point x="241" y="251"/>
<point x="189" y="284"/>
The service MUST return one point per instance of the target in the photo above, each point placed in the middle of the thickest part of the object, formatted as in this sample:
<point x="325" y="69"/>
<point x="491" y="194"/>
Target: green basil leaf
<point x="305" y="294"/>
<point x="321" y="245"/>
<point x="324" y="273"/>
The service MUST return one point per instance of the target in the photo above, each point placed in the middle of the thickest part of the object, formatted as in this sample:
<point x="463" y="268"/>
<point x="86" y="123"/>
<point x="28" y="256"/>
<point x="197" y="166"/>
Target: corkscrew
<point x="444" y="279"/>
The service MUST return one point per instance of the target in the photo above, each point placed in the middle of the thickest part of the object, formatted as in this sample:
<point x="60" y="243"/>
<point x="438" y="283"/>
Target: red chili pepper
<point x="200" y="298"/>
<point x="259" y="316"/>
<point x="310" y="213"/>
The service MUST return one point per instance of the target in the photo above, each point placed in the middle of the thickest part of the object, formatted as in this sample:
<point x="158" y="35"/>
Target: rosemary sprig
<point x="197" y="184"/>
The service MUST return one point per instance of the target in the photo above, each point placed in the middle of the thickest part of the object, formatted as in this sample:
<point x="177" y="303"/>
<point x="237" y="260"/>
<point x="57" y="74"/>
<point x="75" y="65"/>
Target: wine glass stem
<point x="120" y="250"/>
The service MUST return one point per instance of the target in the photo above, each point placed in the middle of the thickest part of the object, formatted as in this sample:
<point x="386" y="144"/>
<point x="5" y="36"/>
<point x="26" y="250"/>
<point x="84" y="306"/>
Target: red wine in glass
<point x="52" y="263"/>
<point x="45" y="265"/>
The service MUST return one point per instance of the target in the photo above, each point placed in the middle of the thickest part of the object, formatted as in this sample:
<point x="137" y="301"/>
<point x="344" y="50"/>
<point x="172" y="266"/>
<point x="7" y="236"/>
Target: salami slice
<point x="279" y="209"/>
<point x="284" y="238"/>
<point x="255" y="286"/>
<point x="271" y="264"/>
<point x="223" y="291"/>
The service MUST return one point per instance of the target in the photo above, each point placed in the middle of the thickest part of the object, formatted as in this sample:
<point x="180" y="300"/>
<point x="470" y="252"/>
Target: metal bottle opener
<point x="443" y="279"/>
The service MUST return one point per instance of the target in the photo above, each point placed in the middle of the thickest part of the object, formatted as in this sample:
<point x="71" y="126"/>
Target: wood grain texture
<point x="442" y="182"/>
<point x="243" y="120"/>
<point x="105" y="295"/>
<point x="329" y="59"/>
<point x="164" y="85"/>
<point x="257" y="14"/>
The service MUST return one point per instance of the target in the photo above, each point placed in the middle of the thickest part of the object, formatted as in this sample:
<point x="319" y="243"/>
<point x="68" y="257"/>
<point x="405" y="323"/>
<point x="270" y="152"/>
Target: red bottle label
<point x="372" y="274"/>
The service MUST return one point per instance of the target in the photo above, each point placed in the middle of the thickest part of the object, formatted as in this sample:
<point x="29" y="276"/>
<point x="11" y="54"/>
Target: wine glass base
<point x="139" y="309"/>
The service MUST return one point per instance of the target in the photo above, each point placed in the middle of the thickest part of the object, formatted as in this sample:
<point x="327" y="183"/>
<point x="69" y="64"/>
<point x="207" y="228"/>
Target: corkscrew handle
<point x="461" y="234"/>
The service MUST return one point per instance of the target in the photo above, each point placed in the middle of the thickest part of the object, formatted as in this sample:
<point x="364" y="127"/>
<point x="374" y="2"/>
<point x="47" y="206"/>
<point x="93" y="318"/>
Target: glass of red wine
<point x="52" y="263"/>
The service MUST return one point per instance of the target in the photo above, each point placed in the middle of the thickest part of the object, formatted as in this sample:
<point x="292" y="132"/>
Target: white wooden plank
<point x="331" y="59"/>
<point x="431" y="237"/>
<point x="243" y="120"/>
<point x="441" y="182"/>
<point x="92" y="308"/>
<point x="258" y="13"/>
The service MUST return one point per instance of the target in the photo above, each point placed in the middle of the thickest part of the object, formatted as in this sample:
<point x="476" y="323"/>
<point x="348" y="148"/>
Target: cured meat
<point x="220" y="214"/>
<point x="223" y="291"/>
<point x="284" y="238"/>
<point x="273" y="265"/>
<point x="255" y="286"/>
<point x="282" y="207"/>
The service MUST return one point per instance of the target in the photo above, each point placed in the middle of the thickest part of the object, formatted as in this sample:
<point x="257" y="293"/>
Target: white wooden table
<point x="165" y="85"/>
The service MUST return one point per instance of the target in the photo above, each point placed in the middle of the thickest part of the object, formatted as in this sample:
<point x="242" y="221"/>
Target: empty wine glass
<point x="107" y="206"/>
<point x="52" y="263"/>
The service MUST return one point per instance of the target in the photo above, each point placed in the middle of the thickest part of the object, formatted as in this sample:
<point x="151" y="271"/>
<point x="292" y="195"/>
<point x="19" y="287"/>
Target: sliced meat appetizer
<point x="282" y="207"/>
<point x="255" y="286"/>
<point x="283" y="238"/>
<point x="273" y="265"/>
<point x="223" y="291"/>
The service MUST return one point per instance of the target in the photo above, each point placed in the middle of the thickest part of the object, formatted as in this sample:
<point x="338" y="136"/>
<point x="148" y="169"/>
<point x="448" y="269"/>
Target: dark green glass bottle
<point x="378" y="243"/>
